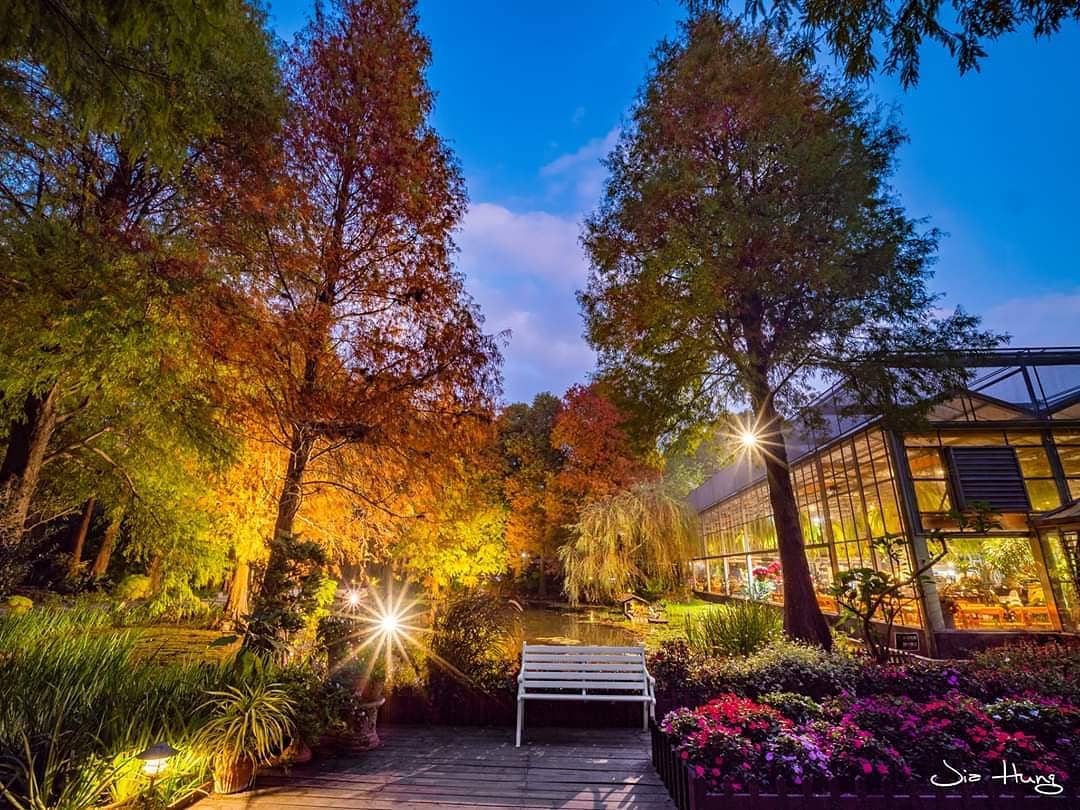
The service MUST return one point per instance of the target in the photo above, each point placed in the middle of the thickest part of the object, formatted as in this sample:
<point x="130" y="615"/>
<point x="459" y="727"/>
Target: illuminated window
<point x="992" y="583"/>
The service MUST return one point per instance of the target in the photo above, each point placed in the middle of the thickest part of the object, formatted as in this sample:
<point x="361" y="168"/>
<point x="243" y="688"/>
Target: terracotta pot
<point x="234" y="777"/>
<point x="297" y="753"/>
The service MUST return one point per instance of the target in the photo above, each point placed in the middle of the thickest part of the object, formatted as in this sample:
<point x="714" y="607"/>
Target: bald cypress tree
<point x="748" y="247"/>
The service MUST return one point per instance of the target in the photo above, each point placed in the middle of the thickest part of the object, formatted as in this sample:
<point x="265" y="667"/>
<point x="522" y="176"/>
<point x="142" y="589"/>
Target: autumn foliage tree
<point x="560" y="455"/>
<point x="749" y="246"/>
<point x="360" y="336"/>
<point x="531" y="465"/>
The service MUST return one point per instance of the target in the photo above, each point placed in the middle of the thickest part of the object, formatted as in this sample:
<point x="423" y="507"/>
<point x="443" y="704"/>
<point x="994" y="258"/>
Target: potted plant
<point x="357" y="670"/>
<point x="248" y="725"/>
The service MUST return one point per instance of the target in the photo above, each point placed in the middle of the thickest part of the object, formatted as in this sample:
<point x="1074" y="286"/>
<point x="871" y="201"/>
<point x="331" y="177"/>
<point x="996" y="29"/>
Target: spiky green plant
<point x="250" y="721"/>
<point x="640" y="537"/>
<point x="736" y="628"/>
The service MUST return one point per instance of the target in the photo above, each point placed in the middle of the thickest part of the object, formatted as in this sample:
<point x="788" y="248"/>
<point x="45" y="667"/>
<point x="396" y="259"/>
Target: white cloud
<point x="494" y="239"/>
<point x="523" y="268"/>
<point x="581" y="171"/>
<point x="578" y="116"/>
<point x="1039" y="320"/>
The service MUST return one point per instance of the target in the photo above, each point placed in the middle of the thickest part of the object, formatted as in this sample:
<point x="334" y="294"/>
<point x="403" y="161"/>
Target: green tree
<point x="748" y="247"/>
<point x="107" y="222"/>
<point x="856" y="31"/>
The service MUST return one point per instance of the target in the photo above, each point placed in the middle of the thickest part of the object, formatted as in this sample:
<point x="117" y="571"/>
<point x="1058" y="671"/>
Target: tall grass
<point x="78" y="703"/>
<point x="735" y="628"/>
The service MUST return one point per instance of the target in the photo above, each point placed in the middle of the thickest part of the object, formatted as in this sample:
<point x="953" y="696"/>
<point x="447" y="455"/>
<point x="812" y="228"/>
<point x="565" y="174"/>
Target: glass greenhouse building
<point x="1011" y="440"/>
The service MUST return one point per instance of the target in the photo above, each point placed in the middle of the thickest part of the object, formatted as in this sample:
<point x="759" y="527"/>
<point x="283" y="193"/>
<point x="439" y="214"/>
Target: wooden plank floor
<point x="423" y="768"/>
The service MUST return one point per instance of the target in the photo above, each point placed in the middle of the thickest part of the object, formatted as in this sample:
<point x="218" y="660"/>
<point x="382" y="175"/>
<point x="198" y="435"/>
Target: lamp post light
<point x="155" y="760"/>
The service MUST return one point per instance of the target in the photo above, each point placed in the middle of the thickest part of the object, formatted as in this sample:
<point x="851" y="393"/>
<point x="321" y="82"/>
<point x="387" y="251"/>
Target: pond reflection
<point x="593" y="627"/>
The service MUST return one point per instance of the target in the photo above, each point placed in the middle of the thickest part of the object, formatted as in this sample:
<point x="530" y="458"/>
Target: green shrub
<point x="250" y="721"/>
<point x="795" y="707"/>
<point x="783" y="666"/>
<point x="175" y="604"/>
<point x="132" y="587"/>
<point x="735" y="628"/>
<point x="468" y="671"/>
<point x="19" y="604"/>
<point x="1051" y="668"/>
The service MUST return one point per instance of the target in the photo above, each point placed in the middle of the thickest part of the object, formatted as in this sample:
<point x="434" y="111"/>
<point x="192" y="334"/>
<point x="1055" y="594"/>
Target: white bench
<point x="550" y="672"/>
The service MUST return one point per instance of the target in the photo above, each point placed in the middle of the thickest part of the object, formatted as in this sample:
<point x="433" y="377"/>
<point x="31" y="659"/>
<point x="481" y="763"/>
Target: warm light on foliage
<point x="637" y="538"/>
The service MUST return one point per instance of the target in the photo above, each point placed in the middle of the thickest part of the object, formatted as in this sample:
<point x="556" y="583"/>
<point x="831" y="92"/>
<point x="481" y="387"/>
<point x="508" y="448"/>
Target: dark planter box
<point x="690" y="793"/>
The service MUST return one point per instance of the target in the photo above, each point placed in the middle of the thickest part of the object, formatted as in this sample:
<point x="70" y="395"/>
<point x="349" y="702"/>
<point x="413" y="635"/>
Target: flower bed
<point x="831" y="724"/>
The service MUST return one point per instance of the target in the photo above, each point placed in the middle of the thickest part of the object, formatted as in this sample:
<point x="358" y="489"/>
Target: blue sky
<point x="531" y="95"/>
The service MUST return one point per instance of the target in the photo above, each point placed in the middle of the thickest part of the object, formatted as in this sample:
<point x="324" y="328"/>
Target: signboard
<point x="908" y="641"/>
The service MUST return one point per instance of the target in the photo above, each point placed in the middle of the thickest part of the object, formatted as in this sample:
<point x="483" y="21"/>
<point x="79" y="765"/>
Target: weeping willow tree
<point x="643" y="535"/>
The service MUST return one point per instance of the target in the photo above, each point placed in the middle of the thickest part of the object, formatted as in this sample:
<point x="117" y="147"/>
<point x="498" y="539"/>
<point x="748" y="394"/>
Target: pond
<point x="592" y="627"/>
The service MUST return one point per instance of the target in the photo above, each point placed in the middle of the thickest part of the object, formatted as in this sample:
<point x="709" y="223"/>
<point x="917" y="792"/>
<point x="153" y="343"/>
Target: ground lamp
<point x="155" y="760"/>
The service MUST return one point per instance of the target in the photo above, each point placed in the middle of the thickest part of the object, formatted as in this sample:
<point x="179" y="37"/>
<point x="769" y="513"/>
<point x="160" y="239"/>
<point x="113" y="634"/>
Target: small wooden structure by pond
<point x="429" y="767"/>
<point x="634" y="607"/>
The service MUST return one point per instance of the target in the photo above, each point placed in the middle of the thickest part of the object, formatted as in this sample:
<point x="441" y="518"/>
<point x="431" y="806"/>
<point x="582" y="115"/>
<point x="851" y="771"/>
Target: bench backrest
<point x="610" y="669"/>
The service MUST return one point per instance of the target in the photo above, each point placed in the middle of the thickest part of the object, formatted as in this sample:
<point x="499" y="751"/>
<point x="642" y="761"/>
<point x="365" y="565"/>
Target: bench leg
<point x="645" y="716"/>
<point x="520" y="721"/>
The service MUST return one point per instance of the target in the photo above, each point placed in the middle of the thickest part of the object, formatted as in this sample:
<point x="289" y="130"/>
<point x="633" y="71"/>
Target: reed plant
<point x="78" y="703"/>
<point x="737" y="628"/>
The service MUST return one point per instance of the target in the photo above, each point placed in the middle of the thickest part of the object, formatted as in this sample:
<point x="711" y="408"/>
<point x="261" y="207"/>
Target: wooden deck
<point x="421" y="768"/>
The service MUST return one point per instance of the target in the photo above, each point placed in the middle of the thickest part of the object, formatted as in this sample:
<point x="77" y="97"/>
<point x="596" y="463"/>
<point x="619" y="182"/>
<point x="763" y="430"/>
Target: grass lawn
<point x="677" y="614"/>
<point x="173" y="644"/>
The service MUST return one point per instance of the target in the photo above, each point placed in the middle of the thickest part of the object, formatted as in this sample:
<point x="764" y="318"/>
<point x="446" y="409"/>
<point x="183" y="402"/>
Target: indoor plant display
<point x="248" y="725"/>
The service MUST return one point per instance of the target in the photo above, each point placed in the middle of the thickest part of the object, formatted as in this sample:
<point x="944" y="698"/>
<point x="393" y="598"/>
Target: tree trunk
<point x="803" y="618"/>
<point x="239" y="590"/>
<point x="108" y="544"/>
<point x="28" y="439"/>
<point x="542" y="592"/>
<point x="156" y="573"/>
<point x="80" y="538"/>
<point x="291" y="490"/>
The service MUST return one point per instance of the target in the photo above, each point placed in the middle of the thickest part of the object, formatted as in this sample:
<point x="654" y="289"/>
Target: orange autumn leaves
<point x="559" y="455"/>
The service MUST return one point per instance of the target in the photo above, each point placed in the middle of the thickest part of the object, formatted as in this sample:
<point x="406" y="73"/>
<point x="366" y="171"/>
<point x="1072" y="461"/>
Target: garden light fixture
<point x="156" y="758"/>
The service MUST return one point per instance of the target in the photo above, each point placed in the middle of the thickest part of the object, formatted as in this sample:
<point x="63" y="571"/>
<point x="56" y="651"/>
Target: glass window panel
<point x="890" y="508"/>
<point x="925" y="463"/>
<point x="874" y="514"/>
<point x="1070" y="459"/>
<point x="1024" y="437"/>
<point x="1033" y="462"/>
<point x="765" y="584"/>
<point x="921" y="439"/>
<point x="736" y="575"/>
<point x="698" y="575"/>
<point x="992" y="584"/>
<point x="1064" y="578"/>
<point x="933" y="496"/>
<point x="716" y="577"/>
<point x="1043" y="494"/>
<point x="821" y="574"/>
<point x="977" y="438"/>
